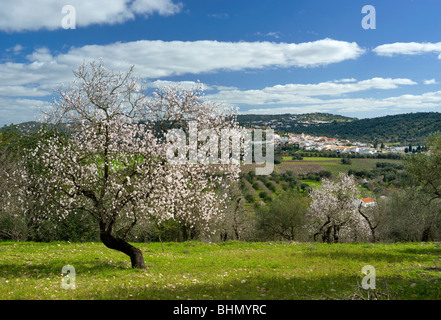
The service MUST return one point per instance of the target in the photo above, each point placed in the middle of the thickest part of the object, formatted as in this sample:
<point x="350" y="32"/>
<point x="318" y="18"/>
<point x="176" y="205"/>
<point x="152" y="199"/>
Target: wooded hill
<point x="401" y="128"/>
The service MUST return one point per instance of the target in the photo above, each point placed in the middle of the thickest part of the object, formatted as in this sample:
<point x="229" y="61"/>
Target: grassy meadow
<point x="315" y="164"/>
<point x="214" y="271"/>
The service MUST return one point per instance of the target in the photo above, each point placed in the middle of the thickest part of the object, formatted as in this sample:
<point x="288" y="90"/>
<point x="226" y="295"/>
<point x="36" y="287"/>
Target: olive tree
<point x="284" y="218"/>
<point x="424" y="168"/>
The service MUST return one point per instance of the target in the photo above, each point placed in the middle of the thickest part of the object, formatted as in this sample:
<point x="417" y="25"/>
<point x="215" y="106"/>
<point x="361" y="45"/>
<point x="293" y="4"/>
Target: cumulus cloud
<point x="20" y="15"/>
<point x="44" y="70"/>
<point x="158" y="59"/>
<point x="408" y="48"/>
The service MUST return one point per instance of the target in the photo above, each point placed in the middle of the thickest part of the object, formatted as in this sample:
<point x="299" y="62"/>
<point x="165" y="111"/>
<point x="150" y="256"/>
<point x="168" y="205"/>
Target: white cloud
<point x="20" y="15"/>
<point x="345" y="80"/>
<point x="15" y="49"/>
<point x="408" y="48"/>
<point x="219" y="15"/>
<point x="274" y="34"/>
<point x="153" y="60"/>
<point x="21" y="110"/>
<point x="162" y="7"/>
<point x="330" y="97"/>
<point x="183" y="84"/>
<point x="398" y="104"/>
<point x="161" y="58"/>
<point x="157" y="59"/>
<point x="431" y="81"/>
<point x="23" y="91"/>
<point x="306" y="93"/>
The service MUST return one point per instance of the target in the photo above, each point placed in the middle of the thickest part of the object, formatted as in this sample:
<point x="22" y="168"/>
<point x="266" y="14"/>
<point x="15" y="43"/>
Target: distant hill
<point x="402" y="128"/>
<point x="30" y="126"/>
<point x="328" y="117"/>
<point x="26" y="127"/>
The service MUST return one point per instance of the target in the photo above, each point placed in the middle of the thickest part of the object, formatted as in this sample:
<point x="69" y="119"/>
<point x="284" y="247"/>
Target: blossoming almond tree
<point x="112" y="164"/>
<point x="333" y="209"/>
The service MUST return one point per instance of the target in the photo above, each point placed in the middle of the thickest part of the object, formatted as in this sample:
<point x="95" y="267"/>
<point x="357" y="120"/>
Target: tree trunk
<point x="135" y="254"/>
<point x="336" y="232"/>
<point x="426" y="234"/>
<point x="374" y="238"/>
<point x="184" y="233"/>
<point x="327" y="235"/>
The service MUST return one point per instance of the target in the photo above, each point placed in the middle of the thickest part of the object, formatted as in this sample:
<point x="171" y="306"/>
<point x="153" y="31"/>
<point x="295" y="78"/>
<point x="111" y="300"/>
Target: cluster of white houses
<point x="325" y="144"/>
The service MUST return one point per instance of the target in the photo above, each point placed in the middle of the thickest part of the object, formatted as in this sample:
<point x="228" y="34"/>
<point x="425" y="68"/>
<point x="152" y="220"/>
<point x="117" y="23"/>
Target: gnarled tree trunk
<point x="134" y="253"/>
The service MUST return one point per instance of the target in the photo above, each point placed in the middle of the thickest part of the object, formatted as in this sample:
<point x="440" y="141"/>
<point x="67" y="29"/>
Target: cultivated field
<point x="315" y="164"/>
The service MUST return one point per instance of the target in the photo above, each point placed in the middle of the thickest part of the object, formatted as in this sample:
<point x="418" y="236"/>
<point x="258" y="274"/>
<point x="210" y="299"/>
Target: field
<point x="227" y="271"/>
<point x="265" y="188"/>
<point x="315" y="164"/>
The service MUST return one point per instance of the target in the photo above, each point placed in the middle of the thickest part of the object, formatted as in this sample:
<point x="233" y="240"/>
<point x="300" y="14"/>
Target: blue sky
<point x="266" y="57"/>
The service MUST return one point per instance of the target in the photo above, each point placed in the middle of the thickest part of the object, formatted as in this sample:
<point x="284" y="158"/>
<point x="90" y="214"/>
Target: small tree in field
<point x="333" y="210"/>
<point x="284" y="218"/>
<point x="425" y="168"/>
<point x="112" y="163"/>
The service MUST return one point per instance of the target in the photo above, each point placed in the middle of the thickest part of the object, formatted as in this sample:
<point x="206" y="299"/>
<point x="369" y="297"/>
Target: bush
<point x="408" y="215"/>
<point x="249" y="198"/>
<point x="304" y="185"/>
<point x="325" y="174"/>
<point x="263" y="194"/>
<point x="283" y="219"/>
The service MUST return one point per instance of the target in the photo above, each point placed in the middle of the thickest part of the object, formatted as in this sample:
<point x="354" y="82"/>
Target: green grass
<point x="312" y="183"/>
<point x="231" y="270"/>
<point x="334" y="164"/>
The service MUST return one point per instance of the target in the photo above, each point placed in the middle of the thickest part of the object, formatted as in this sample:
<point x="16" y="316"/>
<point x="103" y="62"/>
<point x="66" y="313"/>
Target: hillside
<point x="402" y="128"/>
<point x="307" y="118"/>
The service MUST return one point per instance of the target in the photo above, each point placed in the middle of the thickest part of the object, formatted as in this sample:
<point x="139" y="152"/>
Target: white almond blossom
<point x="112" y="163"/>
<point x="334" y="210"/>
